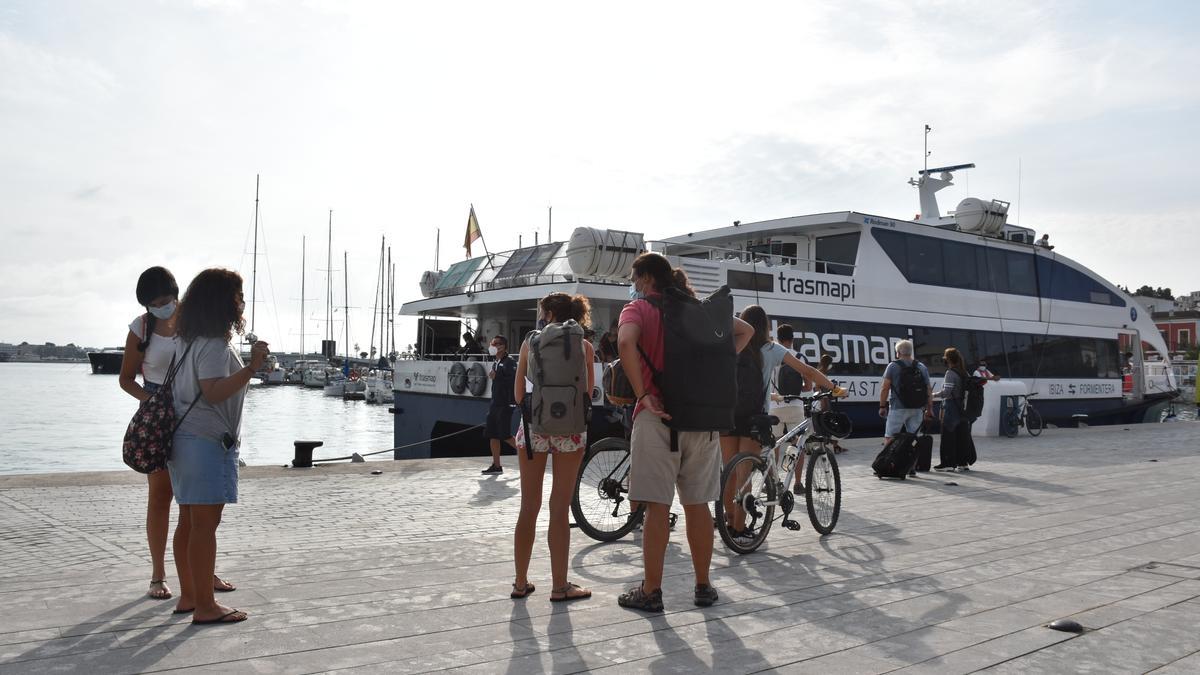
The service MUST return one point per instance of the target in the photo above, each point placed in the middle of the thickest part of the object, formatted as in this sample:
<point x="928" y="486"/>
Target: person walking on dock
<point x="498" y="428"/>
<point x="204" y="455"/>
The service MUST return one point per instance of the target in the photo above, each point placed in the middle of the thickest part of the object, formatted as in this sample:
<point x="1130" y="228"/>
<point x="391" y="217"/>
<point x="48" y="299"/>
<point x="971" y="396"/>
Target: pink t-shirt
<point x="647" y="317"/>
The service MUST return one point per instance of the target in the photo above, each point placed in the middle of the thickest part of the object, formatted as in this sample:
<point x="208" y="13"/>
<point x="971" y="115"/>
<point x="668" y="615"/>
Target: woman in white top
<point x="149" y="347"/>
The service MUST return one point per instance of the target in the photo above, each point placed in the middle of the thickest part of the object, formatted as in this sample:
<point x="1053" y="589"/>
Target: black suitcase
<point x="924" y="451"/>
<point x="897" y="457"/>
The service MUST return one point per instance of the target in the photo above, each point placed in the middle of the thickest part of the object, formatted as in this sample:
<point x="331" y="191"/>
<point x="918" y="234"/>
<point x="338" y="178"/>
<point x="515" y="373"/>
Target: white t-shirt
<point x="157" y="358"/>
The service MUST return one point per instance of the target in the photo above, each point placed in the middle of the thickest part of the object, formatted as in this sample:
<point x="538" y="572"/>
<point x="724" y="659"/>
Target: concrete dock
<point x="409" y="571"/>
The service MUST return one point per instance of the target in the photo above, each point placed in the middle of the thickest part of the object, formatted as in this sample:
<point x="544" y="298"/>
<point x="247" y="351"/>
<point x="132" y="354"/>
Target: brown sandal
<point x="517" y="594"/>
<point x="564" y="594"/>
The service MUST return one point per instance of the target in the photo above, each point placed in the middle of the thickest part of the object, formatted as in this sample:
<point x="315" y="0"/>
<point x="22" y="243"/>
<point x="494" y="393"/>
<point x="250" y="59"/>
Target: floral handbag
<point x="147" y="444"/>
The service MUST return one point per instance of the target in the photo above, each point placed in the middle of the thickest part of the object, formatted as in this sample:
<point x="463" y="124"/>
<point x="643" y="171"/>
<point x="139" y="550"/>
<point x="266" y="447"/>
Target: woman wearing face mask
<point x="204" y="455"/>
<point x="149" y="347"/>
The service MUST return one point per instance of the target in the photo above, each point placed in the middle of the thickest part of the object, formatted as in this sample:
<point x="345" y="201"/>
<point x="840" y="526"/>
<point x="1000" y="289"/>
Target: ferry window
<point x="990" y="348"/>
<point x="995" y="271"/>
<point x="1021" y="277"/>
<point x="836" y="254"/>
<point x="751" y="281"/>
<point x="1062" y="282"/>
<point x="892" y="244"/>
<point x="459" y="274"/>
<point x="538" y="259"/>
<point x="784" y="252"/>
<point x="1018" y="349"/>
<point x="1063" y="357"/>
<point x="924" y="260"/>
<point x="1108" y="359"/>
<point x="959" y="261"/>
<point x="929" y="343"/>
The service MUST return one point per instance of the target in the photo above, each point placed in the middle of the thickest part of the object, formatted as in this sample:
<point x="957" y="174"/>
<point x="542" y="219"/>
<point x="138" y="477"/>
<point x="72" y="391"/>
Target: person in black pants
<point x="957" y="449"/>
<point x="499" y="418"/>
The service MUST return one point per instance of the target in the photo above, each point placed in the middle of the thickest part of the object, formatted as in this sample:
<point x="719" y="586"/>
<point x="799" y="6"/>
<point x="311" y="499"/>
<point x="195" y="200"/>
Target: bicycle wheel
<point x="823" y="489"/>
<point x="752" y="493"/>
<point x="600" y="504"/>
<point x="1033" y="421"/>
<point x="1013" y="424"/>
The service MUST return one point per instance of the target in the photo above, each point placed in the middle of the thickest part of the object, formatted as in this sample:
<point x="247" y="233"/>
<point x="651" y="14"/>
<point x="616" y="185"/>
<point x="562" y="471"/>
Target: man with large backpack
<point x="905" y="397"/>
<point x="679" y="354"/>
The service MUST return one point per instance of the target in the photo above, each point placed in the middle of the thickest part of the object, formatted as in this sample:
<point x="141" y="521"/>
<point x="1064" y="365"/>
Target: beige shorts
<point x="656" y="471"/>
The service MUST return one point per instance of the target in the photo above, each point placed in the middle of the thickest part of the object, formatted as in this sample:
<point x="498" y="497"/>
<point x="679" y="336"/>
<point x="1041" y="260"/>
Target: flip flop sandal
<point x="224" y="618"/>
<point x="564" y="593"/>
<point x="183" y="611"/>
<point x="517" y="594"/>
<point x="162" y="592"/>
<point x="228" y="588"/>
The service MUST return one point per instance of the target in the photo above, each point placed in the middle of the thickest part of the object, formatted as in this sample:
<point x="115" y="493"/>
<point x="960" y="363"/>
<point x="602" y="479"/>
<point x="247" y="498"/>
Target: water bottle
<point x="789" y="457"/>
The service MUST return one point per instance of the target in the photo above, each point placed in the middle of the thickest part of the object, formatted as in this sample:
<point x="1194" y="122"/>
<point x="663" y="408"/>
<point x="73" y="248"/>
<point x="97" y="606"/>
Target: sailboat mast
<point x="254" y="272"/>
<point x="346" y="304"/>
<point x="391" y="306"/>
<point x="303" y="251"/>
<point x="329" y="282"/>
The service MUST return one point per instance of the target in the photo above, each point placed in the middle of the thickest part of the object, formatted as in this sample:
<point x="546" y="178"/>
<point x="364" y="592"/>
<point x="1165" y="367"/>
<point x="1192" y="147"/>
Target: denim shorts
<point x="907" y="418"/>
<point x="151" y="387"/>
<point x="202" y="471"/>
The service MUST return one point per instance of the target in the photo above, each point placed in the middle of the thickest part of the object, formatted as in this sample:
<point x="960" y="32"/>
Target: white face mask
<point x="163" y="312"/>
<point x="493" y="350"/>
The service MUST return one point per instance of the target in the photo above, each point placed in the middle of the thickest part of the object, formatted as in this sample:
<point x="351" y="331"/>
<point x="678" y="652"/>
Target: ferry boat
<point x="851" y="284"/>
<point x="106" y="361"/>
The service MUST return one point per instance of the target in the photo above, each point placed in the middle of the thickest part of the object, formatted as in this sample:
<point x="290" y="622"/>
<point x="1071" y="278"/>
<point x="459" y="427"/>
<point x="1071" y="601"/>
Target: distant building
<point x="1155" y="305"/>
<point x="1179" y="329"/>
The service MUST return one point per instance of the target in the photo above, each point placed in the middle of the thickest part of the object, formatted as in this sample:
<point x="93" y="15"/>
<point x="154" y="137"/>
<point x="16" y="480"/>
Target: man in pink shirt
<point x="657" y="471"/>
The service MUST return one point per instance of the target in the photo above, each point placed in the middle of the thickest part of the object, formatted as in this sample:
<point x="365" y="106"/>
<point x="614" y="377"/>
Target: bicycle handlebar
<point x="807" y="399"/>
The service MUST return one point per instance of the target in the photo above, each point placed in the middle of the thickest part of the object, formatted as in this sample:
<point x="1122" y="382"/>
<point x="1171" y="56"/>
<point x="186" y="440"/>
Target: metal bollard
<point x="304" y="450"/>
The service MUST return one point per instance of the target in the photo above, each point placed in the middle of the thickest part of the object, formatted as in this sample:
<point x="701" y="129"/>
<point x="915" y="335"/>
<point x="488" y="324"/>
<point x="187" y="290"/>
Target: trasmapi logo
<point x="846" y="348"/>
<point x="816" y="287"/>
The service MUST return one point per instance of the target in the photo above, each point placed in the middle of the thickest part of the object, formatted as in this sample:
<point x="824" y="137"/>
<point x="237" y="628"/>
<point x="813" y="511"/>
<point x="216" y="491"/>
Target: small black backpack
<point x="750" y="390"/>
<point x="973" y="397"/>
<point x="913" y="391"/>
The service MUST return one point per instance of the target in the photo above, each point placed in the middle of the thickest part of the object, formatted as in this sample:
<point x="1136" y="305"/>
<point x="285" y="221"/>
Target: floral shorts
<point x="552" y="444"/>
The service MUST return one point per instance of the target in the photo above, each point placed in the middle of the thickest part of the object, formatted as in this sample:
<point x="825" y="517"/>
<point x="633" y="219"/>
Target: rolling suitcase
<point x="897" y="457"/>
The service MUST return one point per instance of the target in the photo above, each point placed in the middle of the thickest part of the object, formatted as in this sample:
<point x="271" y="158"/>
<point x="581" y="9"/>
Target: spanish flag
<point x="473" y="231"/>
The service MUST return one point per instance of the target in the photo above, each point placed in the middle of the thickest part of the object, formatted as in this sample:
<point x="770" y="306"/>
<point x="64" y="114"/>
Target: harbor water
<point x="60" y="417"/>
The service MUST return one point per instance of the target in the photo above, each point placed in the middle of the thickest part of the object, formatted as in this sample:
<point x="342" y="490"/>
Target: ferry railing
<point x="720" y="254"/>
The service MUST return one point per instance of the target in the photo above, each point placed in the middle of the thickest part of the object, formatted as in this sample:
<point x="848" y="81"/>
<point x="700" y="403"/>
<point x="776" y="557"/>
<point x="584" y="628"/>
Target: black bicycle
<point x="601" y="505"/>
<point x="1023" y="414"/>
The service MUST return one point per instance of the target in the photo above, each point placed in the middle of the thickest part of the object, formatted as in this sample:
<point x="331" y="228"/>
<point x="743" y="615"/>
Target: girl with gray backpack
<point x="558" y="360"/>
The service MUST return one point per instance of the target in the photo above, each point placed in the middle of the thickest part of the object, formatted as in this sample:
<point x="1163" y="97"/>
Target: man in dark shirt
<point x="499" y="418"/>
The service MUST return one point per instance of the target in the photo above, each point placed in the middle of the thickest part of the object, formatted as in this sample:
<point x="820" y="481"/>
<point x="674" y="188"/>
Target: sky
<point x="131" y="133"/>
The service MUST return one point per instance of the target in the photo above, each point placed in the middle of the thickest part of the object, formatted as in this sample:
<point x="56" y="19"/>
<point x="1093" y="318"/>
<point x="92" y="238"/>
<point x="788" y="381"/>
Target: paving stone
<point x="409" y="572"/>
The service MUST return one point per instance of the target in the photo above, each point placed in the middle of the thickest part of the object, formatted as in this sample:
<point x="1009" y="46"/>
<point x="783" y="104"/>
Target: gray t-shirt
<point x="892" y="373"/>
<point x="209" y="358"/>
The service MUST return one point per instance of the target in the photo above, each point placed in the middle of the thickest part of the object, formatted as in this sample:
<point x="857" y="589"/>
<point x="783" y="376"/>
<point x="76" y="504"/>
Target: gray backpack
<point x="558" y="368"/>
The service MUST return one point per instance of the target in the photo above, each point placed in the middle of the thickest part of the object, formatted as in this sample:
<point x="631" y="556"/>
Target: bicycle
<point x="759" y="483"/>
<point x="1023" y="414"/>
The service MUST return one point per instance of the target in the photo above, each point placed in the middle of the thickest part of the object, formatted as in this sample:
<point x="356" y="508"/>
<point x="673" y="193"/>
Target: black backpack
<point x="913" y="391"/>
<point x="973" y="397"/>
<point x="750" y="390"/>
<point x="699" y="360"/>
<point x="897" y="458"/>
<point x="789" y="383"/>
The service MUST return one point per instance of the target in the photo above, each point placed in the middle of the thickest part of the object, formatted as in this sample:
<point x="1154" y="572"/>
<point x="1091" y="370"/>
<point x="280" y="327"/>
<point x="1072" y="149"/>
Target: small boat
<point x="379" y="386"/>
<point x="106" y="361"/>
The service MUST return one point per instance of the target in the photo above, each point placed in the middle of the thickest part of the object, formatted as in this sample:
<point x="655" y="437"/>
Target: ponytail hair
<point x="658" y="268"/>
<point x="564" y="307"/>
<point x="954" y="361"/>
<point x="756" y="316"/>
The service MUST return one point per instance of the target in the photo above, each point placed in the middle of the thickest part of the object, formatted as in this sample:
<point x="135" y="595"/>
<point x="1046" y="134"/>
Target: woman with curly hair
<point x="204" y="457"/>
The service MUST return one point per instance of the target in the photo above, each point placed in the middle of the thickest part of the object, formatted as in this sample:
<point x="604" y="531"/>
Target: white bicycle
<point x="754" y="485"/>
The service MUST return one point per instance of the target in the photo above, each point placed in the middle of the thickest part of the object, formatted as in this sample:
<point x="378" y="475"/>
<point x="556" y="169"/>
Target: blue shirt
<point x="893" y="373"/>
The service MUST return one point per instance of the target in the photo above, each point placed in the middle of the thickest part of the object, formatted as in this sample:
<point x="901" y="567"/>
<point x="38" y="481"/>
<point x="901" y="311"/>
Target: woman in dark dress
<point x="957" y="449"/>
